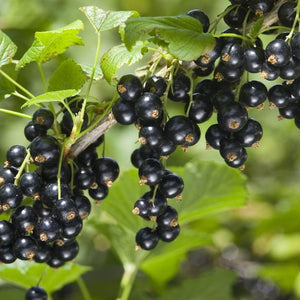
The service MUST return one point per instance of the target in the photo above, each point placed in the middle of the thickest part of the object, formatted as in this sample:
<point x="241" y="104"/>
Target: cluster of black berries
<point x="227" y="92"/>
<point x="43" y="212"/>
<point x="159" y="138"/>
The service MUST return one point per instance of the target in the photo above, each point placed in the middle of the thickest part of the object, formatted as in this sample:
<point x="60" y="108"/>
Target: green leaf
<point x="163" y="263"/>
<point x="104" y="20"/>
<point x="118" y="56"/>
<point x="255" y="28"/>
<point x="48" y="44"/>
<point x="27" y="274"/>
<point x="57" y="96"/>
<point x="215" y="284"/>
<point x="88" y="69"/>
<point x="6" y="87"/>
<point x="184" y="34"/>
<point x="7" y="49"/>
<point x="210" y="188"/>
<point x="284" y="275"/>
<point x="68" y="75"/>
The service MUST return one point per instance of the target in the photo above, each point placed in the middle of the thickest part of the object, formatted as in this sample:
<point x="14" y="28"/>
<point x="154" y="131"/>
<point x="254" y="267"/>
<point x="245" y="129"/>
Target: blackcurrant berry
<point x="150" y="172"/>
<point x="15" y="155"/>
<point x="295" y="45"/>
<point x="214" y="135"/>
<point x="279" y="96"/>
<point x="232" y="117"/>
<point x="148" y="107"/>
<point x="106" y="170"/>
<point x="200" y="109"/>
<point x="289" y="111"/>
<point x="232" y="55"/>
<point x="151" y="135"/>
<point x="87" y="157"/>
<point x="43" y="117"/>
<point x="201" y="17"/>
<point x="67" y="123"/>
<point x="45" y="150"/>
<point x="55" y="262"/>
<point x="180" y="130"/>
<point x="156" y="85"/>
<point x="146" y="238"/>
<point x="66" y="252"/>
<point x="36" y="293"/>
<point x="278" y="53"/>
<point x="7" y="233"/>
<point x="129" y="87"/>
<point x="49" y="194"/>
<point x="6" y="176"/>
<point x="31" y="131"/>
<point x="25" y="248"/>
<point x="24" y="219"/>
<point x="65" y="210"/>
<point x="124" y="112"/>
<point x="222" y="97"/>
<point x="260" y="7"/>
<point x="84" y="178"/>
<point x="239" y="162"/>
<point x="31" y="184"/>
<point x="168" y="233"/>
<point x="10" y="196"/>
<point x="210" y="57"/>
<point x="269" y="72"/>
<point x="180" y="88"/>
<point x="83" y="206"/>
<point x="253" y="93"/>
<point x="40" y="209"/>
<point x="99" y="192"/>
<point x="235" y="17"/>
<point x="250" y="134"/>
<point x="71" y="229"/>
<point x="254" y="59"/>
<point x="287" y="14"/>
<point x="166" y="147"/>
<point x="168" y="218"/>
<point x="47" y="229"/>
<point x="141" y="207"/>
<point x="230" y="149"/>
<point x="7" y="255"/>
<point x="43" y="253"/>
<point x="171" y="185"/>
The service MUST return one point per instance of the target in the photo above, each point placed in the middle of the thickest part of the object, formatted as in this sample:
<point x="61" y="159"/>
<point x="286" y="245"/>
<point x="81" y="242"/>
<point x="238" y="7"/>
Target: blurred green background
<point x="259" y="242"/>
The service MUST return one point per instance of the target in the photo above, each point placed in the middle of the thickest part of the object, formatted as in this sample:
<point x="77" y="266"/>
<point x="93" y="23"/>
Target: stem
<point x="221" y="16"/>
<point x="61" y="156"/>
<point x="130" y="271"/>
<point x="42" y="76"/>
<point x="16" y="84"/>
<point x="83" y="288"/>
<point x="295" y="22"/>
<point x="14" y="113"/>
<point x="190" y="93"/>
<point x="90" y="82"/>
<point x="22" y="167"/>
<point x="43" y="275"/>
<point x="244" y="38"/>
<point x="17" y="94"/>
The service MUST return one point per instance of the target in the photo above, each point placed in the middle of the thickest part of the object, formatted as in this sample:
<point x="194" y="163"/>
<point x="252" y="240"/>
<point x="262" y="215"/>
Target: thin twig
<point x="90" y="137"/>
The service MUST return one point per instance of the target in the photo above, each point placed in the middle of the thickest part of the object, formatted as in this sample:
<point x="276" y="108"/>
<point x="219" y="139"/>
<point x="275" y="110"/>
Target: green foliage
<point x="163" y="264"/>
<point x="6" y="87"/>
<point x="48" y="97"/>
<point x="26" y="274"/>
<point x="255" y="28"/>
<point x="103" y="20"/>
<point x="7" y="49"/>
<point x="175" y="31"/>
<point x="218" y="188"/>
<point x="215" y="284"/>
<point x="118" y="56"/>
<point x="283" y="274"/>
<point x="210" y="188"/>
<point x="68" y="75"/>
<point x="48" y="44"/>
<point x="87" y="70"/>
